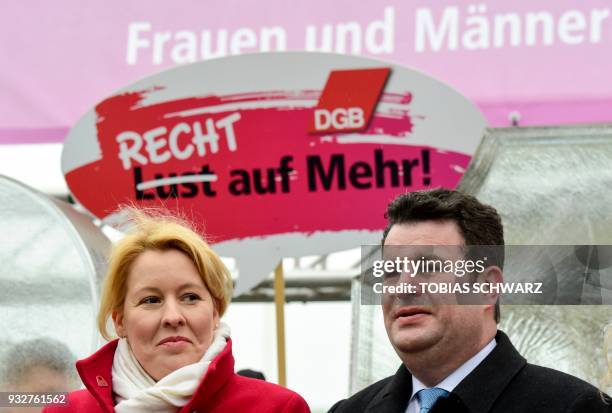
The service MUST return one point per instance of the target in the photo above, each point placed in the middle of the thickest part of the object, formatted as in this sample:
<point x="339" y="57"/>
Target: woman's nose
<point x="172" y="315"/>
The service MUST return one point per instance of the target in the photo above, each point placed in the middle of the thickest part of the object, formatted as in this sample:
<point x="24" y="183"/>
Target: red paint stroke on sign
<point x="254" y="170"/>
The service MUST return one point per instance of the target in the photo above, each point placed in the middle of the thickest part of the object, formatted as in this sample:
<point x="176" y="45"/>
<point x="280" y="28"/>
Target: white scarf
<point x="137" y="392"/>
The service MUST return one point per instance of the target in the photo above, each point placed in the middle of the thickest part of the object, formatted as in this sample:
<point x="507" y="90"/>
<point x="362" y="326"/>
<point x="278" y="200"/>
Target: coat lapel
<point x="95" y="372"/>
<point x="220" y="370"/>
<point x="394" y="397"/>
<point x="481" y="388"/>
<point x="493" y="374"/>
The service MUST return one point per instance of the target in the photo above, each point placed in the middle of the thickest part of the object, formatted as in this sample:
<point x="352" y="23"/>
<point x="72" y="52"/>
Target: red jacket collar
<point x="96" y="374"/>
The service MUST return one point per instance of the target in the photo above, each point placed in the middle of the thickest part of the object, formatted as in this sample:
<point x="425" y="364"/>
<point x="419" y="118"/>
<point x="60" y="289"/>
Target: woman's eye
<point x="150" y="300"/>
<point x="191" y="297"/>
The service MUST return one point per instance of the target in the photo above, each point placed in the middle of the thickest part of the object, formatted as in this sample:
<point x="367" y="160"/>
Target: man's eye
<point x="150" y="300"/>
<point x="190" y="297"/>
<point x="391" y="274"/>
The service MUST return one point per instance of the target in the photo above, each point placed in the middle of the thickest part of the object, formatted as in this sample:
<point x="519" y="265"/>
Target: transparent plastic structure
<point x="552" y="186"/>
<point x="53" y="259"/>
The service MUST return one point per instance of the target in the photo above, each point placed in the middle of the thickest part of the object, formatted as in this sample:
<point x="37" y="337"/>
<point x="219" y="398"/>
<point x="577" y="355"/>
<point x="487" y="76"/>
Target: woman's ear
<point x="117" y="316"/>
<point x="216" y="318"/>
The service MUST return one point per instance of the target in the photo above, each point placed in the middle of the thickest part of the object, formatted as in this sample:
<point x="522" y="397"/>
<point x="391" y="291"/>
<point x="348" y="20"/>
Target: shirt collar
<point x="452" y="380"/>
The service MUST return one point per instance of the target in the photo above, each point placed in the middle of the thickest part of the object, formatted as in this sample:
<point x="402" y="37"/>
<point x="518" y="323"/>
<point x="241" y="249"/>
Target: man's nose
<point x="407" y="289"/>
<point x="412" y="280"/>
<point x="172" y="315"/>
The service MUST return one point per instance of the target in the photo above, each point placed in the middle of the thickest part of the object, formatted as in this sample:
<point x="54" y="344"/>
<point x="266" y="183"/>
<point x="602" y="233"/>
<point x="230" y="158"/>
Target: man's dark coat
<point x="503" y="383"/>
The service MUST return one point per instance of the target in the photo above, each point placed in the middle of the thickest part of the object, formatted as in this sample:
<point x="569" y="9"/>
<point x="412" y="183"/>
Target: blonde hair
<point x="159" y="231"/>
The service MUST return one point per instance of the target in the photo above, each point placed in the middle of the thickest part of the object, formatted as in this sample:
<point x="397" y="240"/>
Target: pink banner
<point x="549" y="61"/>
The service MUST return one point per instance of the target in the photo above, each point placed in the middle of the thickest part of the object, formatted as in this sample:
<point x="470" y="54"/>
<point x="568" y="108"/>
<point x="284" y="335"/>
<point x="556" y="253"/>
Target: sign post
<point x="279" y="301"/>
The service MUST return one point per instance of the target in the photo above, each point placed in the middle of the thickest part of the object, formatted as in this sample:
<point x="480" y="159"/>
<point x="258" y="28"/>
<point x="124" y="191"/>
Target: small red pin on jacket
<point x="101" y="382"/>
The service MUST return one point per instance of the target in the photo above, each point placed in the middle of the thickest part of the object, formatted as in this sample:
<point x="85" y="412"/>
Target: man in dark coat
<point x="454" y="358"/>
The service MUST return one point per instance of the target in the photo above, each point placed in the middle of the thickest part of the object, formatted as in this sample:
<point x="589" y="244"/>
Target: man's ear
<point x="118" y="320"/>
<point x="492" y="276"/>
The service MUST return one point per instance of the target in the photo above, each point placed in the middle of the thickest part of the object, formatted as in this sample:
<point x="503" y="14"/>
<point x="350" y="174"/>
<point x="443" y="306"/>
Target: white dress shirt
<point x="452" y="380"/>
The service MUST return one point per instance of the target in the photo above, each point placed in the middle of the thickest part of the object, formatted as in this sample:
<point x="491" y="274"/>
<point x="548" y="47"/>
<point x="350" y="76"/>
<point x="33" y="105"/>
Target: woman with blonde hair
<point x="165" y="291"/>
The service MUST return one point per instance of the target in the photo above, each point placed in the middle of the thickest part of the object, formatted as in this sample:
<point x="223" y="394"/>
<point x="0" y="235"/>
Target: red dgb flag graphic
<point x="348" y="100"/>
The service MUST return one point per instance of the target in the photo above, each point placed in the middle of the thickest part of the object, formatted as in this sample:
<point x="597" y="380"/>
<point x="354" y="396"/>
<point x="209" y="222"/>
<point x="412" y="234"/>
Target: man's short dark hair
<point x="479" y="224"/>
